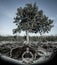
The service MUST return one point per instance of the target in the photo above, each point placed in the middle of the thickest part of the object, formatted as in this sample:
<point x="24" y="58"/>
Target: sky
<point x="8" y="9"/>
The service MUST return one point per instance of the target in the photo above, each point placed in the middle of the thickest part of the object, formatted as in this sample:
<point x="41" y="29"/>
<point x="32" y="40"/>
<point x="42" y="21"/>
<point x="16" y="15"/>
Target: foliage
<point x="32" y="19"/>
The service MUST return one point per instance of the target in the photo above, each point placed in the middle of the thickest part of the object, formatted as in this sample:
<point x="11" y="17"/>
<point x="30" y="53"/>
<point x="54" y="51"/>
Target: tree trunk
<point x="27" y="37"/>
<point x="41" y="37"/>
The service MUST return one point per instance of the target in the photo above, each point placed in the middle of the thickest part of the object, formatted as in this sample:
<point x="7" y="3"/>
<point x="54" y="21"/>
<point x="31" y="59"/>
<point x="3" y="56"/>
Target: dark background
<point x="53" y="61"/>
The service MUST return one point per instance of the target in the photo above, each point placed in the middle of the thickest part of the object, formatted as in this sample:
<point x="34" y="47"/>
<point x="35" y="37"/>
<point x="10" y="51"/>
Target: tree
<point x="31" y="19"/>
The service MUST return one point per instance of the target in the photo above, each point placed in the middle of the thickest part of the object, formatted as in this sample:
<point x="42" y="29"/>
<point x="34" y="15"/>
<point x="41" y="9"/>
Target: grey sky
<point x="8" y="9"/>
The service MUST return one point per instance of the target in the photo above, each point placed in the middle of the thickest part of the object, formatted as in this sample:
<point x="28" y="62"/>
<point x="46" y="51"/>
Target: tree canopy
<point x="32" y="19"/>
